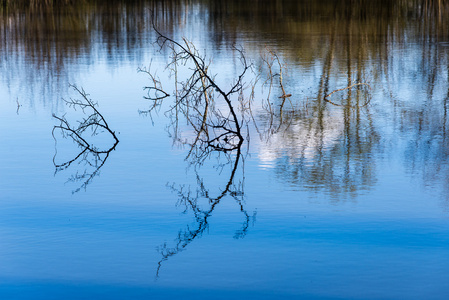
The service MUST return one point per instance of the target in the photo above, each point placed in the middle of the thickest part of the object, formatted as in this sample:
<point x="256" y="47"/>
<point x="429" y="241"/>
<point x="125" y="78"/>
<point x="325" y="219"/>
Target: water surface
<point x="336" y="200"/>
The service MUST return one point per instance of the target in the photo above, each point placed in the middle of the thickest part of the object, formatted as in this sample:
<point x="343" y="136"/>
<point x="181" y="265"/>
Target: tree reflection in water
<point x="426" y="125"/>
<point x="85" y="135"/>
<point x="201" y="203"/>
<point x="321" y="147"/>
<point x="215" y="114"/>
<point x="330" y="152"/>
<point x="329" y="146"/>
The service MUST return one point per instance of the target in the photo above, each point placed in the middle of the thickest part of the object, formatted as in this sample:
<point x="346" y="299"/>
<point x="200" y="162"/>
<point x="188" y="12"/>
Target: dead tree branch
<point x="326" y="98"/>
<point x="90" y="156"/>
<point x="197" y="96"/>
<point x="190" y="200"/>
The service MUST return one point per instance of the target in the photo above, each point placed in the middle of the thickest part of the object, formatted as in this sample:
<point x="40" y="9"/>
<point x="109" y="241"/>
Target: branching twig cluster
<point x="190" y="200"/>
<point x="210" y="110"/>
<point x="90" y="156"/>
<point x="273" y="67"/>
<point x="216" y="116"/>
<point x="155" y="91"/>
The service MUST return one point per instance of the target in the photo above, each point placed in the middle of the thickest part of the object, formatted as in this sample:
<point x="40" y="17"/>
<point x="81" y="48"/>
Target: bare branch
<point x="326" y="98"/>
<point x="90" y="155"/>
<point x="196" y="95"/>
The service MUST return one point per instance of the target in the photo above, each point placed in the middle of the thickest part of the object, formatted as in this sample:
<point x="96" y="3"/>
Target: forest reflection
<point x="399" y="47"/>
<point x="48" y="46"/>
<point x="331" y="150"/>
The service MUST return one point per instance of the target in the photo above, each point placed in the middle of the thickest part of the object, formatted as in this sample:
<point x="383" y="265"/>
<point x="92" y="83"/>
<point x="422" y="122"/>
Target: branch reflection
<point x="202" y="203"/>
<point x="215" y="115"/>
<point x="88" y="134"/>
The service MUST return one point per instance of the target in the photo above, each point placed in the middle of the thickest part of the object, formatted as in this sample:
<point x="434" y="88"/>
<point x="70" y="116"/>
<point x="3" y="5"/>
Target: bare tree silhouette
<point x="91" y="157"/>
<point x="214" y="113"/>
<point x="190" y="201"/>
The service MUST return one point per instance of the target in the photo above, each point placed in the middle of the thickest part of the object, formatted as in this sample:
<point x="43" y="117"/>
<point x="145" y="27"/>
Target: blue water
<point x="349" y="205"/>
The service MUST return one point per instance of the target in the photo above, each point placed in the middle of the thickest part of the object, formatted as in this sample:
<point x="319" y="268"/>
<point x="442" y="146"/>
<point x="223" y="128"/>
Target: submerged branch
<point x="326" y="98"/>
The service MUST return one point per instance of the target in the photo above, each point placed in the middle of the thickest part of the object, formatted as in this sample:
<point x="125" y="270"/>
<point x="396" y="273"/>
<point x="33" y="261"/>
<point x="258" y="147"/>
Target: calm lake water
<point x="337" y="197"/>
